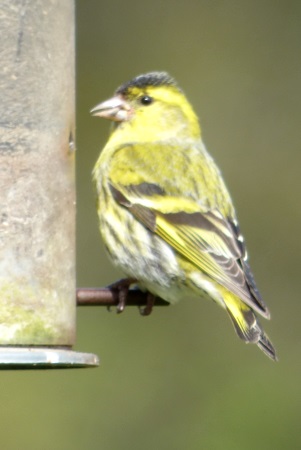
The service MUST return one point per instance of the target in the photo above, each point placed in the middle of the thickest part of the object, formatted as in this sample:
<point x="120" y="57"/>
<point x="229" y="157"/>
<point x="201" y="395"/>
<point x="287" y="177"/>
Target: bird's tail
<point x="247" y="325"/>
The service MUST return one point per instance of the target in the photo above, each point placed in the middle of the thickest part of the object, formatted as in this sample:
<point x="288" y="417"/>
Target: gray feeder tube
<point x="37" y="189"/>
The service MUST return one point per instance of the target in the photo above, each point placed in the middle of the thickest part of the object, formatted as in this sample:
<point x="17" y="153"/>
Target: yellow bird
<point x="165" y="214"/>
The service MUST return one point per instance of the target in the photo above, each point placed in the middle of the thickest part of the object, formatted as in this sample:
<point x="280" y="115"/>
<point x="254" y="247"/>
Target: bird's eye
<point x="146" y="100"/>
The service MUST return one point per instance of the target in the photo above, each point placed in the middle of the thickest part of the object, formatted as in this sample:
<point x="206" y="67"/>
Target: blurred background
<point x="180" y="378"/>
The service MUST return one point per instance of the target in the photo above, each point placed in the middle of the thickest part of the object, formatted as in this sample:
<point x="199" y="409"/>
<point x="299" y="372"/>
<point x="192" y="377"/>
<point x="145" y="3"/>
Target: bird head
<point x="153" y="107"/>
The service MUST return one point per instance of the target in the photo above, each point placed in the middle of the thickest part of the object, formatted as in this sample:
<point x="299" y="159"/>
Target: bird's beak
<point x="116" y="109"/>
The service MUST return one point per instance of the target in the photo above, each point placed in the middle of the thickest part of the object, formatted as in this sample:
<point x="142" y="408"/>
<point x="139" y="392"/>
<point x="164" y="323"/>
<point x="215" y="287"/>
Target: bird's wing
<point x="205" y="238"/>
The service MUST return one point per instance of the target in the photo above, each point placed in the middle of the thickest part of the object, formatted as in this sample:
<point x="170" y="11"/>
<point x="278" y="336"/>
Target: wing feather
<point x="205" y="238"/>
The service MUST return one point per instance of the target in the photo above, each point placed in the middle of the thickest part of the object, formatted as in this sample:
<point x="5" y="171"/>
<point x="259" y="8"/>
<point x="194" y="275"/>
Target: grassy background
<point x="181" y="379"/>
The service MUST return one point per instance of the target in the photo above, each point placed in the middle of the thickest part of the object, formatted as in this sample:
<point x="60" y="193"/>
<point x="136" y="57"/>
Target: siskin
<point x="165" y="214"/>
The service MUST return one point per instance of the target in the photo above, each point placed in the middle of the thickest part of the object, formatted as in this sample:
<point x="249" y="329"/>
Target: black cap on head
<point x="148" y="79"/>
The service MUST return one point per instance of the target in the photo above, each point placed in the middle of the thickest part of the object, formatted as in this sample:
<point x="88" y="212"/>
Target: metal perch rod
<point x="109" y="297"/>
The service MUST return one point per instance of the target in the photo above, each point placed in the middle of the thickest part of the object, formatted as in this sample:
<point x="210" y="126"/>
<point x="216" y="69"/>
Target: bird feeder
<point x="37" y="187"/>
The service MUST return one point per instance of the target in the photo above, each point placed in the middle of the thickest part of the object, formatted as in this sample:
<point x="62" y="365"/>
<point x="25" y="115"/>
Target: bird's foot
<point x="121" y="287"/>
<point x="147" y="309"/>
<point x="121" y="290"/>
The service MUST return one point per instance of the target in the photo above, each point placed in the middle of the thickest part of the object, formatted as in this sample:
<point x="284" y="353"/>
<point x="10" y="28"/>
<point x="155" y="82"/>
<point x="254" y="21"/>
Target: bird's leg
<point x="150" y="300"/>
<point x="122" y="287"/>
